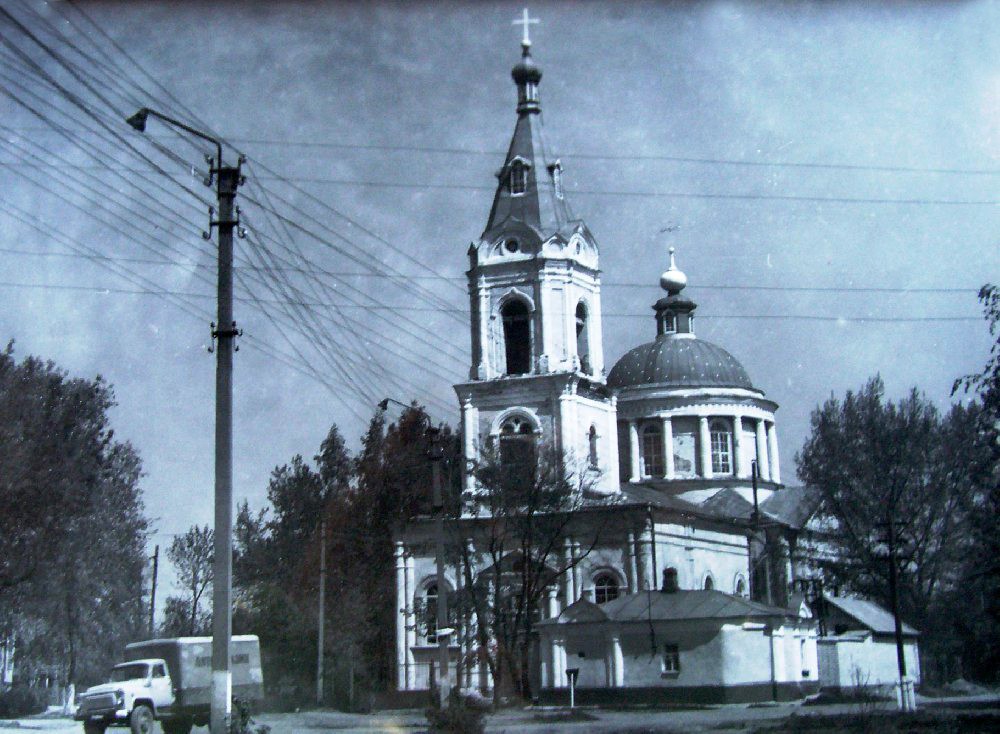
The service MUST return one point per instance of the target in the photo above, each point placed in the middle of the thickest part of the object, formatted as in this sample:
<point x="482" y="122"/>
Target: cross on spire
<point x="526" y="21"/>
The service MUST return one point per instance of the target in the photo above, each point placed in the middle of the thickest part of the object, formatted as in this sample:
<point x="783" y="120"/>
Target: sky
<point x="826" y="171"/>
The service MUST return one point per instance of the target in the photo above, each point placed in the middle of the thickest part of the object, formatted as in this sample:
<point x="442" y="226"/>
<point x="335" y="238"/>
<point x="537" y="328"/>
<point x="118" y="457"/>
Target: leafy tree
<point x="178" y="622"/>
<point x="72" y="528"/>
<point x="876" y="461"/>
<point x="525" y="514"/>
<point x="193" y="554"/>
<point x="980" y="606"/>
<point x="276" y="563"/>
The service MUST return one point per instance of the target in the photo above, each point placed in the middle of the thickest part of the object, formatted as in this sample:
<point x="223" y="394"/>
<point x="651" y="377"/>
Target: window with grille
<point x="652" y="451"/>
<point x="722" y="448"/>
<point x="671" y="662"/>
<point x="605" y="588"/>
<point x="430" y="614"/>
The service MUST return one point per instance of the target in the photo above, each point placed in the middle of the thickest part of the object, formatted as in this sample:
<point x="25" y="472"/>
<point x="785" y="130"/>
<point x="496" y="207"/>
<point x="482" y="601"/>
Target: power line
<point x="805" y="317"/>
<point x="610" y="193"/>
<point x="604" y="284"/>
<point x="814" y="165"/>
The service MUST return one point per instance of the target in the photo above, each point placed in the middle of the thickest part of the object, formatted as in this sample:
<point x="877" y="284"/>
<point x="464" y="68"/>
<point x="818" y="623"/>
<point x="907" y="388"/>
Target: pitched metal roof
<point x="868" y="614"/>
<point x="661" y="607"/>
<point x="792" y="506"/>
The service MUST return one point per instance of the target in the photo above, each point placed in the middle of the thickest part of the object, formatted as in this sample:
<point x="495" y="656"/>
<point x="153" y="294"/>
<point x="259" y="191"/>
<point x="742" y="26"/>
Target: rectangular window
<point x="721" y="452"/>
<point x="652" y="452"/>
<point x="671" y="662"/>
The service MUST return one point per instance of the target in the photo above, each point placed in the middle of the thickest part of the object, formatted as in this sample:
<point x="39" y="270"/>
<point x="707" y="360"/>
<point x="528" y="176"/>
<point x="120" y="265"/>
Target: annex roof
<point x="869" y="614"/>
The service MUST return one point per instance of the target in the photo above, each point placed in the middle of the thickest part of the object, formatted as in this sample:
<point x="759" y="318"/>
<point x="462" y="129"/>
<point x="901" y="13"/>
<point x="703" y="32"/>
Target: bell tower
<point x="534" y="289"/>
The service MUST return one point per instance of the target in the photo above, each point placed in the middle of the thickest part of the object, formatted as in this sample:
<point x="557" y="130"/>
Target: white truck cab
<point x="134" y="696"/>
<point x="169" y="680"/>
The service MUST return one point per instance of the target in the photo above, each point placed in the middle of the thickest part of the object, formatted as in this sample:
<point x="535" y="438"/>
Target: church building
<point x="677" y="570"/>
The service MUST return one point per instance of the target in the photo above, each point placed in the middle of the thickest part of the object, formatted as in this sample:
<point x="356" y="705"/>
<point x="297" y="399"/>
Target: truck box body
<point x="189" y="662"/>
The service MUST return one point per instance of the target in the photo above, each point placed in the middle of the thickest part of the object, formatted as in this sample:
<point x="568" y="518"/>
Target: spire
<point x="529" y="190"/>
<point x="674" y="312"/>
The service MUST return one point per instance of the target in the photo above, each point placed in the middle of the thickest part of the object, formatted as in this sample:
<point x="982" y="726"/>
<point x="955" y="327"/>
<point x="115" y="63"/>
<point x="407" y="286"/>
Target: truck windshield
<point x="128" y="672"/>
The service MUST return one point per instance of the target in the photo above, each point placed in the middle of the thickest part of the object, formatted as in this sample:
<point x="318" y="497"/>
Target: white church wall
<point x="697" y="553"/>
<point x="746" y="654"/>
<point x="700" y="650"/>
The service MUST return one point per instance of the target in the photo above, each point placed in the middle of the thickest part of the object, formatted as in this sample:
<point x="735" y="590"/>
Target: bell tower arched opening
<point x="583" y="336"/>
<point x="517" y="336"/>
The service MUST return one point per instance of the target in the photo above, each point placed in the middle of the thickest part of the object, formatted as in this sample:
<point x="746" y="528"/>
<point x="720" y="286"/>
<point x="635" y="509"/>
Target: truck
<point x="168" y="680"/>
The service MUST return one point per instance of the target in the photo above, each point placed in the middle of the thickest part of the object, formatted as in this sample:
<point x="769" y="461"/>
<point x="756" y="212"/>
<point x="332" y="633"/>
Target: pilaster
<point x="772" y="446"/>
<point x="633" y="443"/>
<point x="738" y="469"/>
<point x="668" y="447"/>
<point x="763" y="466"/>
<point x="705" y="447"/>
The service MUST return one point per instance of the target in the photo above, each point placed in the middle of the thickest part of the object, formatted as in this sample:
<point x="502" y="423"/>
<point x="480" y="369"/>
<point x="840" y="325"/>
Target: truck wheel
<point x="94" y="727"/>
<point x="141" y="721"/>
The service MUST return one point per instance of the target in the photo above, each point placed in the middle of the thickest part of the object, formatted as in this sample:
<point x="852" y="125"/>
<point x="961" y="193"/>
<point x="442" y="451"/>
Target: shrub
<point x="458" y="718"/>
<point x="241" y="722"/>
<point x="21" y="701"/>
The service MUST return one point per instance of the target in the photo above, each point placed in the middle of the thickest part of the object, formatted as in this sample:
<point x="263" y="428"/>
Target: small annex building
<point x="859" y="647"/>
<point x="702" y="646"/>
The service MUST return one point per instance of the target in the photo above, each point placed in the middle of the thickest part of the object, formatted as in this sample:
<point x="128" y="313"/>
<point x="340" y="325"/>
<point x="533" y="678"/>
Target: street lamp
<point x="227" y="179"/>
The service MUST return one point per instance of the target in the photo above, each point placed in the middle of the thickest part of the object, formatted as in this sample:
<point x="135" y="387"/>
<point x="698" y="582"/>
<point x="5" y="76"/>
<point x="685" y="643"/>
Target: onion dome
<point x="526" y="70"/>
<point x="677" y="358"/>
<point x="673" y="280"/>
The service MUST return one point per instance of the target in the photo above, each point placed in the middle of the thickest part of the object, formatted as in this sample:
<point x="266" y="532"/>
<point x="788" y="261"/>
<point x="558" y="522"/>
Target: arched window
<point x="592" y="446"/>
<point x="605" y="588"/>
<point x="518" y="178"/>
<point x="709" y="582"/>
<point x="518" y="451"/>
<point x="517" y="336"/>
<point x="652" y="450"/>
<point x="430" y="614"/>
<point x="741" y="587"/>
<point x="670" y="583"/>
<point x="722" y="447"/>
<point x="582" y="337"/>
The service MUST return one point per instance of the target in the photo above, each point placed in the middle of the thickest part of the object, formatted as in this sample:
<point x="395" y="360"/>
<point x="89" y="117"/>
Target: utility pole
<point x="322" y="610"/>
<point x="152" y="594"/>
<point x="435" y="454"/>
<point x="227" y="179"/>
<point x="905" y="702"/>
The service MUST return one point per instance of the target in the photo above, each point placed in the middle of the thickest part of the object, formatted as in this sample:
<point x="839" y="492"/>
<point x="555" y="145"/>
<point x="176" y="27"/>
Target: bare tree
<point x="192" y="555"/>
<point x="526" y="512"/>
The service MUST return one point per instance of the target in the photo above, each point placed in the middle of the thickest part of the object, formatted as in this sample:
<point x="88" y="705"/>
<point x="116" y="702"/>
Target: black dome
<point x="674" y="361"/>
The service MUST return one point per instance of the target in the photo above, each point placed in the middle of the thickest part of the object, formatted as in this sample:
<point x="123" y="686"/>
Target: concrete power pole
<point x="227" y="179"/>
<point x="226" y="332"/>
<point x="322" y="611"/>
<point x="152" y="594"/>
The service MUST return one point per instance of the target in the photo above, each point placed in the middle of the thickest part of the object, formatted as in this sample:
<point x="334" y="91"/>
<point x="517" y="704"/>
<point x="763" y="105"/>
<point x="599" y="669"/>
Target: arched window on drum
<point x="652" y="450"/>
<point x="722" y="446"/>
